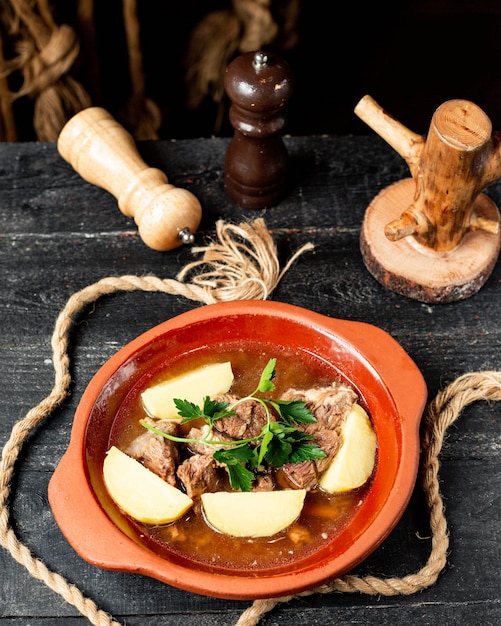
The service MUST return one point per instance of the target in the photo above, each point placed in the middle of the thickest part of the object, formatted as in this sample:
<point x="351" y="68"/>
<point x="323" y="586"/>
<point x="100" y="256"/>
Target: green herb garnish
<point x="278" y="443"/>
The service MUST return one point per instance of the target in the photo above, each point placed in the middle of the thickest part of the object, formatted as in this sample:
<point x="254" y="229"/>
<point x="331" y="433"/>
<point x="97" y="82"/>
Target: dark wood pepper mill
<point x="259" y="86"/>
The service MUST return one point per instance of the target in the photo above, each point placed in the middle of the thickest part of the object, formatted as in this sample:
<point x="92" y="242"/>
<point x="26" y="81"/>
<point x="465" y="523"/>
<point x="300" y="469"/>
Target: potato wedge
<point x="139" y="492"/>
<point x="252" y="513"/>
<point x="353" y="464"/>
<point x="210" y="380"/>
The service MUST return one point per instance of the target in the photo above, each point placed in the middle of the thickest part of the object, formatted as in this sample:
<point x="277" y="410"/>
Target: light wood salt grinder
<point x="259" y="85"/>
<point x="106" y="155"/>
<point x="435" y="237"/>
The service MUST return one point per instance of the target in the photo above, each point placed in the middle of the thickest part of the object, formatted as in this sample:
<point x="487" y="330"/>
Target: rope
<point x="441" y="413"/>
<point x="236" y="259"/>
<point x="141" y="115"/>
<point x="7" y="123"/>
<point x="86" y="27"/>
<point x="246" y="26"/>
<point x="40" y="56"/>
<point x="244" y="263"/>
<point x="45" y="54"/>
<point x="248" y="246"/>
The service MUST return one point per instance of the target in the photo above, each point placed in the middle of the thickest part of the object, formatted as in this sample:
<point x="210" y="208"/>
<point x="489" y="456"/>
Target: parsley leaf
<point x="211" y="412"/>
<point x="306" y="452"/>
<point x="267" y="375"/>
<point x="213" y="408"/>
<point x="294" y="411"/>
<point x="235" y="459"/>
<point x="188" y="410"/>
<point x="286" y="443"/>
<point x="279" y="442"/>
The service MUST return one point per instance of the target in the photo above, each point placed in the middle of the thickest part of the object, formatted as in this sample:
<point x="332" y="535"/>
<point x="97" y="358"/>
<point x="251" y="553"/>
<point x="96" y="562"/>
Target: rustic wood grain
<point x="59" y="234"/>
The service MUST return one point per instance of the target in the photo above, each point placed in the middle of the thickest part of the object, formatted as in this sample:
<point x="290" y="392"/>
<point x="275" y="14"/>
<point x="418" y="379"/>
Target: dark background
<point x="409" y="56"/>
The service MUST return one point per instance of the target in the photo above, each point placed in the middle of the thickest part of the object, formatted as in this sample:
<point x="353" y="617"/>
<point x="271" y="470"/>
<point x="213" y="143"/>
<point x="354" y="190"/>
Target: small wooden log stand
<point x="435" y="237"/>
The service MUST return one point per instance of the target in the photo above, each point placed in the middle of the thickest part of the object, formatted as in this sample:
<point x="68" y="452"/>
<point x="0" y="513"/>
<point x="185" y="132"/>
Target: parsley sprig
<point x="278" y="443"/>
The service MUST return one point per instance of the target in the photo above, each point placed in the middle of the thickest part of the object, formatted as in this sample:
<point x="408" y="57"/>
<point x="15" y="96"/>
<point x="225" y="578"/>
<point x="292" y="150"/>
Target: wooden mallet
<point x="106" y="155"/>
<point x="435" y="237"/>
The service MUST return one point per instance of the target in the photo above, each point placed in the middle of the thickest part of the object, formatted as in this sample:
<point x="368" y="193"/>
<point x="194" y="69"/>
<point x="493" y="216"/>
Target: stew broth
<point x="191" y="539"/>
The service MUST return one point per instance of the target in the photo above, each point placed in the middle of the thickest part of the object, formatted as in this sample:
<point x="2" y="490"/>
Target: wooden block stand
<point x="435" y="237"/>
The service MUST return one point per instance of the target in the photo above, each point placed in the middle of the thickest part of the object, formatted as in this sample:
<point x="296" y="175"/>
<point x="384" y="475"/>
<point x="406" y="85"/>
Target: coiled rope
<point x="243" y="265"/>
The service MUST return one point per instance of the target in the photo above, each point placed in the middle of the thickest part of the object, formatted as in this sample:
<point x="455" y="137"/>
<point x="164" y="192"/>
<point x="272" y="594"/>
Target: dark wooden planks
<point x="59" y="234"/>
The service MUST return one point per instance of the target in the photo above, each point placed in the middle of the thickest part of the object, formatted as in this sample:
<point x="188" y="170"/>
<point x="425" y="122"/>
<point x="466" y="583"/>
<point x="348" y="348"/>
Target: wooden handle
<point x="106" y="155"/>
<point x="399" y="137"/>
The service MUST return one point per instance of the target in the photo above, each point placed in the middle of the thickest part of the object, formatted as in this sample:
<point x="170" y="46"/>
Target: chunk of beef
<point x="305" y="475"/>
<point x="329" y="405"/>
<point x="263" y="482"/>
<point x="329" y="441"/>
<point x="298" y="475"/>
<point x="158" y="454"/>
<point x="199" y="474"/>
<point x="205" y="448"/>
<point x="247" y="422"/>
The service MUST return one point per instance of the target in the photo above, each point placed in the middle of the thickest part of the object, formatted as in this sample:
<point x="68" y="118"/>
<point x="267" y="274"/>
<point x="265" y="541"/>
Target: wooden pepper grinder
<point x="435" y="237"/>
<point x="106" y="155"/>
<point x="259" y="86"/>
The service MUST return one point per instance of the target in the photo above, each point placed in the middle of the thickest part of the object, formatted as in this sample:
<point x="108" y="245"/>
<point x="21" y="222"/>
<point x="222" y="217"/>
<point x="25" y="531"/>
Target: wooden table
<point x="60" y="234"/>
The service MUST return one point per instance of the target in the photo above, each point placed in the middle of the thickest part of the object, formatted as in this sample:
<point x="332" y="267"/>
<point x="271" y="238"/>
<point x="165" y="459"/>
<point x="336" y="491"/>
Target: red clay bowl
<point x="390" y="386"/>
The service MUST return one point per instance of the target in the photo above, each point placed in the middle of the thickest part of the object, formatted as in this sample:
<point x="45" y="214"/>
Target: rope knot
<point x="53" y="61"/>
<point x="259" y="26"/>
<point x="244" y="262"/>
